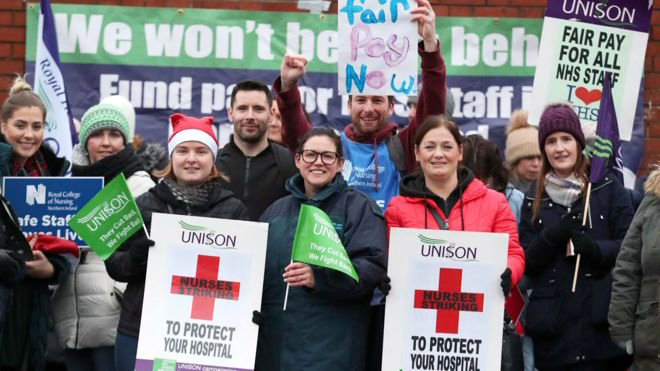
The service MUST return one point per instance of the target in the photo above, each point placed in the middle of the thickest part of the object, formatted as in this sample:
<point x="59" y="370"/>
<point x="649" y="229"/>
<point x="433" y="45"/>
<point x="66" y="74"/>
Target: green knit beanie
<point x="99" y="117"/>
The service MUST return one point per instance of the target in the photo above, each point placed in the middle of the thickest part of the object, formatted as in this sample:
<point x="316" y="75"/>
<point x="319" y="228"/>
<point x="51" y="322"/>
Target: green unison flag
<point x="108" y="219"/>
<point x="316" y="242"/>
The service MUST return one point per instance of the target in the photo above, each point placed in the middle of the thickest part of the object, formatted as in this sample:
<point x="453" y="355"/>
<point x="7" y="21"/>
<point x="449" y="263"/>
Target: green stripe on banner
<point x="232" y="39"/>
<point x="603" y="147"/>
<point x="602" y="154"/>
<point x="603" y="140"/>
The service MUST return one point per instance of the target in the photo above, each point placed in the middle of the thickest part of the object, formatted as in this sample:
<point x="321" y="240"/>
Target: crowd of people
<point x="369" y="178"/>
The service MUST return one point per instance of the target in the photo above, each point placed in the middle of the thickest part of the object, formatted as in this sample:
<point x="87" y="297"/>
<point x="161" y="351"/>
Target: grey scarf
<point x="564" y="191"/>
<point x="193" y="196"/>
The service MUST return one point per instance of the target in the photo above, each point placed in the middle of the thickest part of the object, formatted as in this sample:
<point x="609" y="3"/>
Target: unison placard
<point x="204" y="279"/>
<point x="445" y="308"/>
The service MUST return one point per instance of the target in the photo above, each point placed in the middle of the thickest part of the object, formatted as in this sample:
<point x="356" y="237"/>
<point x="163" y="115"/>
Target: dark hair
<point x="581" y="170"/>
<point x="20" y="96"/>
<point x="438" y="121"/>
<point x="483" y="158"/>
<point x="251" y="85"/>
<point x="318" y="132"/>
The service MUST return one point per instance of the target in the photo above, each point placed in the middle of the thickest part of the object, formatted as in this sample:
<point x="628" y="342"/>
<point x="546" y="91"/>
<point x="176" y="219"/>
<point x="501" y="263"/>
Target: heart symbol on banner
<point x="587" y="96"/>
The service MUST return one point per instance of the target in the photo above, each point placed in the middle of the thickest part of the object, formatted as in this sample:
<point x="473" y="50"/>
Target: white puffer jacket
<point x="86" y="307"/>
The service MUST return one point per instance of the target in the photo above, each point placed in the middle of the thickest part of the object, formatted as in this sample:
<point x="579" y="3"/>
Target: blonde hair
<point x="20" y="96"/>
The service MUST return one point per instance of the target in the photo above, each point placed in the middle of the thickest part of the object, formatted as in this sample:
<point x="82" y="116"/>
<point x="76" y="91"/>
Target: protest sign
<point x="445" y="308"/>
<point x="581" y="41"/>
<point x="109" y="218"/>
<point x="380" y="55"/>
<point x="208" y="273"/>
<point x="316" y="242"/>
<point x="47" y="204"/>
<point x="158" y="58"/>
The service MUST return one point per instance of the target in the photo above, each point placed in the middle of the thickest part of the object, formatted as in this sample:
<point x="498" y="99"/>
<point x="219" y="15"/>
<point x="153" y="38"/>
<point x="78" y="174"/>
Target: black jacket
<point x="57" y="166"/>
<point x="265" y="175"/>
<point x="566" y="327"/>
<point x="26" y="322"/>
<point x="12" y="268"/>
<point x="23" y="302"/>
<point x="123" y="268"/>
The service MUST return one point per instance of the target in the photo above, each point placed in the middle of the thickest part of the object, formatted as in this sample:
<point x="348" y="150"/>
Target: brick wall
<point x="12" y="40"/>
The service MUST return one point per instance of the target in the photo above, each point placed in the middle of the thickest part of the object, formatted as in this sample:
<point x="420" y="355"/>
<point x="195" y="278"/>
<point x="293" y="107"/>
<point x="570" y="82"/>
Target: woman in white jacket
<point x="86" y="306"/>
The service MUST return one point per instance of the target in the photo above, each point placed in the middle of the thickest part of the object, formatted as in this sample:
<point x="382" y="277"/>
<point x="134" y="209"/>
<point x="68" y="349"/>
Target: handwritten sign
<point x="380" y="55"/>
<point x="580" y="42"/>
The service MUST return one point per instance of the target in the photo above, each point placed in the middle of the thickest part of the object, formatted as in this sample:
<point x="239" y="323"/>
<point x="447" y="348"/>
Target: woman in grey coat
<point x="634" y="316"/>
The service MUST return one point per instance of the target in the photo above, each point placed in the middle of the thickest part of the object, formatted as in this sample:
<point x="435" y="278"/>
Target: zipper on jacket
<point x="75" y="295"/>
<point x="248" y="159"/>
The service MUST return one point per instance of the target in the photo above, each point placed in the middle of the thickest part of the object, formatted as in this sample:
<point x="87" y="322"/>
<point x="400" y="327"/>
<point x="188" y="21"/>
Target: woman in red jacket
<point x="446" y="195"/>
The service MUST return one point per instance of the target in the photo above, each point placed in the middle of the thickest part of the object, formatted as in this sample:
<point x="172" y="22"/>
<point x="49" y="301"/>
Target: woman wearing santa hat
<point x="190" y="186"/>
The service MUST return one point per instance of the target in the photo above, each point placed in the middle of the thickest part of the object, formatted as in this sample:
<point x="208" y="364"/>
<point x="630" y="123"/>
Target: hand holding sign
<point x="425" y="18"/>
<point x="292" y="68"/>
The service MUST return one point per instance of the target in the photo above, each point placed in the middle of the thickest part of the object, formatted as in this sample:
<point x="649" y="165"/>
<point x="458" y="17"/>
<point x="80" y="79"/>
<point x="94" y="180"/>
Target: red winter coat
<point x="483" y="210"/>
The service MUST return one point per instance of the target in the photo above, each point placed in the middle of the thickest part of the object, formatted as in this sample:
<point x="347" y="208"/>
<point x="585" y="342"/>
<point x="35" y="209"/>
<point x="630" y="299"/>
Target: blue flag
<point x="606" y="151"/>
<point x="49" y="85"/>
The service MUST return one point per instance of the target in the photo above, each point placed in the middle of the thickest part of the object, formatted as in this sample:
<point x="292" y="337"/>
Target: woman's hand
<point x="40" y="267"/>
<point x="299" y="274"/>
<point x="138" y="249"/>
<point x="505" y="282"/>
<point x="560" y="233"/>
<point x="585" y="246"/>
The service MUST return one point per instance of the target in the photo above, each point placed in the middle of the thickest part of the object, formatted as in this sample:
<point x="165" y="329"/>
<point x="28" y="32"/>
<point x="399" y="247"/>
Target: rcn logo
<point x="35" y="194"/>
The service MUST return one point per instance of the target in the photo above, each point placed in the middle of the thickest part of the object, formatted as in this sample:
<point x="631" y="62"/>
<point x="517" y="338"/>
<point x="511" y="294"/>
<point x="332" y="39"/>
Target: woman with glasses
<point x="325" y="323"/>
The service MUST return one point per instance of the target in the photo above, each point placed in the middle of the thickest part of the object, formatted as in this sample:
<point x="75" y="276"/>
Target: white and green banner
<point x="169" y="60"/>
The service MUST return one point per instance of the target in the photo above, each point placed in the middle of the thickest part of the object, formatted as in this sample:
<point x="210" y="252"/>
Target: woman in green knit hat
<point x="86" y="317"/>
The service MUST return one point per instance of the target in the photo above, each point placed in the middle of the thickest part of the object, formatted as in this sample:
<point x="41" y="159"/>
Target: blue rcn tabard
<point x="359" y="170"/>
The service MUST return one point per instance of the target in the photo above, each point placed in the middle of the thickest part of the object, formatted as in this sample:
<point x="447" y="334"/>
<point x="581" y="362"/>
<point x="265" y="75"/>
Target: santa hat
<point x="186" y="128"/>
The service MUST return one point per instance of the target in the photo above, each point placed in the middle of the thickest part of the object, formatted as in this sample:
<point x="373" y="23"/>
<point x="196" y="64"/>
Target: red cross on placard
<point x="205" y="287"/>
<point x="449" y="301"/>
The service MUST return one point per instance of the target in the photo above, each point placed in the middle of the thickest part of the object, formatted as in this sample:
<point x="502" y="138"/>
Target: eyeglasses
<point x="327" y="158"/>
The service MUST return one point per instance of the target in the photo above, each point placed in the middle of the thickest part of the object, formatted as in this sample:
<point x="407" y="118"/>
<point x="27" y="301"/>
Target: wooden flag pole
<point x="584" y="222"/>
